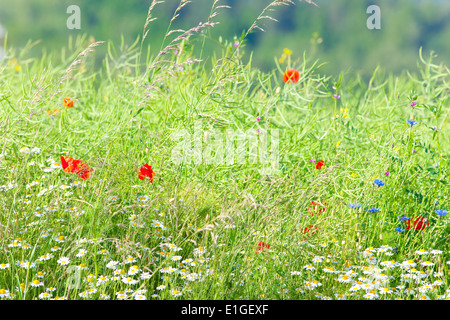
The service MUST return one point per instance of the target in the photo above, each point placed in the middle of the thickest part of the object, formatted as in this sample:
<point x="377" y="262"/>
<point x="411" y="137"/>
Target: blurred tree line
<point x="335" y="32"/>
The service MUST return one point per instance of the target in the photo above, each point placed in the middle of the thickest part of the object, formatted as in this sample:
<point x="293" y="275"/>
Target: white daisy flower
<point x="63" y="261"/>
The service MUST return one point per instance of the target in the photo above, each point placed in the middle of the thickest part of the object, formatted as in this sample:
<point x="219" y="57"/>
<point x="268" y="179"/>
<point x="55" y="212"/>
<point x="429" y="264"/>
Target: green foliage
<point x="127" y="111"/>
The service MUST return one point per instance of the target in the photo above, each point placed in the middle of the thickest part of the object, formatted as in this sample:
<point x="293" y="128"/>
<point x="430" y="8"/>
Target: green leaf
<point x="139" y="111"/>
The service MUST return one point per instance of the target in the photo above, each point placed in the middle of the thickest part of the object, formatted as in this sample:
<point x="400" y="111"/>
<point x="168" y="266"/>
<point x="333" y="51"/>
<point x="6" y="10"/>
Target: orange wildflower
<point x="79" y="167"/>
<point x="68" y="103"/>
<point x="53" y="112"/>
<point x="291" y="75"/>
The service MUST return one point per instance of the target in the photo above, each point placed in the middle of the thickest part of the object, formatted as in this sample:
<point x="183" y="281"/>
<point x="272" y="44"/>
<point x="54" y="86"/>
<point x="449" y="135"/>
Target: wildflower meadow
<point x="173" y="175"/>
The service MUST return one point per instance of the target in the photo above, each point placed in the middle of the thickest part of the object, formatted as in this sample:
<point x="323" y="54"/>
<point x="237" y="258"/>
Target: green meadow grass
<point x="195" y="232"/>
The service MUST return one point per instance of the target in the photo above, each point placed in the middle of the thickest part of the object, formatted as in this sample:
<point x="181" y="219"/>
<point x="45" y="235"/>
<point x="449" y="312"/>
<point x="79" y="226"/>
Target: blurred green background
<point x="335" y="32"/>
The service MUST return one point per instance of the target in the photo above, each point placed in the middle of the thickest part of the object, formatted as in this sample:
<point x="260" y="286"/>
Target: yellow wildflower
<point x="287" y="51"/>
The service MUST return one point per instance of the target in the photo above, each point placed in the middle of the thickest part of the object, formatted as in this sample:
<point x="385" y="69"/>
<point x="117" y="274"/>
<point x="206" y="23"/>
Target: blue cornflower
<point x="411" y="122"/>
<point x="354" y="205"/>
<point x="440" y="212"/>
<point x="403" y="218"/>
<point x="400" y="229"/>
<point x="378" y="182"/>
<point x="373" y="210"/>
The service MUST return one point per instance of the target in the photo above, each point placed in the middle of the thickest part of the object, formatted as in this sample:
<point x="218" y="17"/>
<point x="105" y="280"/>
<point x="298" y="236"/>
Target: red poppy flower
<point x="317" y="206"/>
<point x="262" y="247"/>
<point x="291" y="75"/>
<point x="146" y="171"/>
<point x="307" y="232"/>
<point x="79" y="167"/>
<point x="320" y="164"/>
<point x="68" y="103"/>
<point x="418" y="223"/>
<point x="308" y="228"/>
